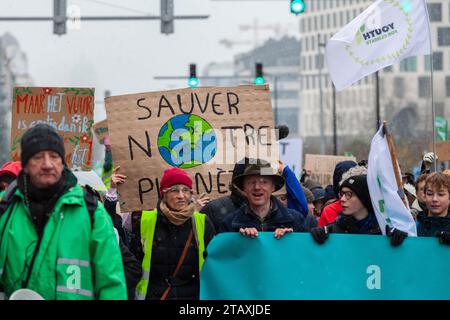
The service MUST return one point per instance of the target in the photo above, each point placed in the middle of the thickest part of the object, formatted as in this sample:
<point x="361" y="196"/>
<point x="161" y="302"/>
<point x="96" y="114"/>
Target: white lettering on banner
<point x="74" y="280"/>
<point x="79" y="155"/>
<point x="374" y="280"/>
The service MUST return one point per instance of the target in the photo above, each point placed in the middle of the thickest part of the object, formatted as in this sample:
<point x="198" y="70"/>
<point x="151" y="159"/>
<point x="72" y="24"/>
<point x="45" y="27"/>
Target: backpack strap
<point x="8" y="197"/>
<point x="91" y="199"/>
<point x="7" y="200"/>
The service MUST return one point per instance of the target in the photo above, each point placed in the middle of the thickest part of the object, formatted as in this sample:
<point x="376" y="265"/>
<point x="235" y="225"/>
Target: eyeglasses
<point x="348" y="194"/>
<point x="252" y="181"/>
<point x="184" y="190"/>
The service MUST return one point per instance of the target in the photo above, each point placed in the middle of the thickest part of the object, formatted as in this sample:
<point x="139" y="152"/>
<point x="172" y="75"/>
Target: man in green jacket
<point x="49" y="242"/>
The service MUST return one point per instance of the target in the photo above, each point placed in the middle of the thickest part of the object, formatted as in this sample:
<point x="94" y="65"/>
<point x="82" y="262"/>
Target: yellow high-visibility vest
<point x="148" y="223"/>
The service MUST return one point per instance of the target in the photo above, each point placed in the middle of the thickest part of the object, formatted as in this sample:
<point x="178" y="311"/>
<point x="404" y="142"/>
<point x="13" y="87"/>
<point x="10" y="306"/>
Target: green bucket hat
<point x="260" y="168"/>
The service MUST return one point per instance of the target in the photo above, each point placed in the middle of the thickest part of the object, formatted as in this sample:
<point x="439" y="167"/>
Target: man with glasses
<point x="173" y="237"/>
<point x="263" y="212"/>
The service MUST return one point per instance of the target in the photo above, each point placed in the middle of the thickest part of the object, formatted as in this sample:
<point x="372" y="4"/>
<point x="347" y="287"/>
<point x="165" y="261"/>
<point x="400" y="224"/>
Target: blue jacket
<point x="278" y="217"/>
<point x="295" y="195"/>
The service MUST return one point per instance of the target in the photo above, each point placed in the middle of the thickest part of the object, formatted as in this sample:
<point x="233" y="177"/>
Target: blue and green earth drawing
<point x="187" y="141"/>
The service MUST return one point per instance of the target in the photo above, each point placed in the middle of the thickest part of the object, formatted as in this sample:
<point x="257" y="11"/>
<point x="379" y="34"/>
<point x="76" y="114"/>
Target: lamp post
<point x="377" y="100"/>
<point x="333" y="96"/>
<point x="334" y="121"/>
<point x="275" y="97"/>
<point x="320" y="66"/>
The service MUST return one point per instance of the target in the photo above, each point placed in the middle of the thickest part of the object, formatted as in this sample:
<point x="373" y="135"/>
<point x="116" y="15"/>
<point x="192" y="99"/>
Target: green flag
<point x="441" y="128"/>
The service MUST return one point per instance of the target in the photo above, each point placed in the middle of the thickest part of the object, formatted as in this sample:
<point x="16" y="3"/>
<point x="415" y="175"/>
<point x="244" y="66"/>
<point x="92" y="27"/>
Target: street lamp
<point x="319" y="64"/>
<point x="323" y="45"/>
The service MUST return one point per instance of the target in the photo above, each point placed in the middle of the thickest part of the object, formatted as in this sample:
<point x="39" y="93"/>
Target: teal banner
<point x="356" y="267"/>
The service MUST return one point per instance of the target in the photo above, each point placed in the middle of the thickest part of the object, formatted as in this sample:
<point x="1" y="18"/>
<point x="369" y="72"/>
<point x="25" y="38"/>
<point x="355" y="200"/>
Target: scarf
<point x="366" y="224"/>
<point x="42" y="201"/>
<point x="177" y="217"/>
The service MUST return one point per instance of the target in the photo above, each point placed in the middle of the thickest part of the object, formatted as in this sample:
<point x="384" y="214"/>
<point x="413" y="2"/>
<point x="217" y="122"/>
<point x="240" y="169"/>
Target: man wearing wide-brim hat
<point x="262" y="212"/>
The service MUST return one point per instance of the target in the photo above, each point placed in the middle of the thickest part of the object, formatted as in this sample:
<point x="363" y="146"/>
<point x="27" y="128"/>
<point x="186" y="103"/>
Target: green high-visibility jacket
<point x="74" y="261"/>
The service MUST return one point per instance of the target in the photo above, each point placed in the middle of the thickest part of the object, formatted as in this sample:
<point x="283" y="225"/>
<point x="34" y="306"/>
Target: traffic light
<point x="259" y="75"/>
<point x="193" y="80"/>
<point x="167" y="16"/>
<point x="59" y="16"/>
<point x="297" y="6"/>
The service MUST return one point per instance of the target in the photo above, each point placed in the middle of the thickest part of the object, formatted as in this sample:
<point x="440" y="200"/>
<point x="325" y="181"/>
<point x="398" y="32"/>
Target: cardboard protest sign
<point x="101" y="130"/>
<point x="69" y="110"/>
<point x="291" y="153"/>
<point x="204" y="131"/>
<point x="442" y="150"/>
<point x="322" y="167"/>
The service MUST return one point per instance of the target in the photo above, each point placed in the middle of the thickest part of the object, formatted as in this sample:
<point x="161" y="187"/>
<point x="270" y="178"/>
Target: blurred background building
<point x="281" y="68"/>
<point x="13" y="72"/>
<point x="280" y="59"/>
<point x="405" y="93"/>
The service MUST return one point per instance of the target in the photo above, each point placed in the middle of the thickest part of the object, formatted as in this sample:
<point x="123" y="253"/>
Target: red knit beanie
<point x="11" y="168"/>
<point x="174" y="176"/>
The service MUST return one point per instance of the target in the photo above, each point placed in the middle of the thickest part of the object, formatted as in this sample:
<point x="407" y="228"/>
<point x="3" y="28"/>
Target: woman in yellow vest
<point x="172" y="241"/>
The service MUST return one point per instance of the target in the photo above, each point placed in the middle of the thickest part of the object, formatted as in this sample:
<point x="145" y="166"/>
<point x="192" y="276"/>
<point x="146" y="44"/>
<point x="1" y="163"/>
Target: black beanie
<point x="39" y="138"/>
<point x="341" y="168"/>
<point x="358" y="184"/>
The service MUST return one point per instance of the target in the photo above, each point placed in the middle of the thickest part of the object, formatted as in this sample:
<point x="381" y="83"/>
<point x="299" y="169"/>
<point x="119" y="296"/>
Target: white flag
<point x="389" y="207"/>
<point x="385" y="33"/>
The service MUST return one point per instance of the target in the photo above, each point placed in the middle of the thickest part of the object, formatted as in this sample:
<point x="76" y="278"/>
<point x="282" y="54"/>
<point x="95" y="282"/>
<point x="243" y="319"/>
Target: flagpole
<point x="433" y="110"/>
<point x="334" y="120"/>
<point x="377" y="97"/>
<point x="395" y="165"/>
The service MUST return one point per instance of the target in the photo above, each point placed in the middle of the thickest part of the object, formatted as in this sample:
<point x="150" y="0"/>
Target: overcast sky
<point x="124" y="56"/>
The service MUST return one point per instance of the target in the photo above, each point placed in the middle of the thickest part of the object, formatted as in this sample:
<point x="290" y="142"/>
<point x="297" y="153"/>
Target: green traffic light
<point x="297" y="6"/>
<point x="259" y="81"/>
<point x="193" y="82"/>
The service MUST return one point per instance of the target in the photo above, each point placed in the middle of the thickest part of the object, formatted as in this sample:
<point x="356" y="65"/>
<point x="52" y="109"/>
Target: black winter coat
<point x="428" y="226"/>
<point x="132" y="267"/>
<point x="168" y="244"/>
<point x="348" y="224"/>
<point x="278" y="217"/>
<point x="218" y="209"/>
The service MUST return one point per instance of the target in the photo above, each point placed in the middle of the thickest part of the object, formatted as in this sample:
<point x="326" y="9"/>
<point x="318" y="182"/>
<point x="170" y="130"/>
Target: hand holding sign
<point x="107" y="143"/>
<point x="249" y="232"/>
<point x="279" y="232"/>
<point x="117" y="178"/>
<point x="281" y="167"/>
<point x="201" y="201"/>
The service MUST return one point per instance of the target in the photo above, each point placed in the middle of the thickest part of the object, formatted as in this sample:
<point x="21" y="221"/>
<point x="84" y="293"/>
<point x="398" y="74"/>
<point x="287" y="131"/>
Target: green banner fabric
<point x="441" y="128"/>
<point x="356" y="267"/>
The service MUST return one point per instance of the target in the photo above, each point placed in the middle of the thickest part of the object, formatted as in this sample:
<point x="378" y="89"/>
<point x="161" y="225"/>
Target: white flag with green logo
<point x="385" y="33"/>
<point x="441" y="128"/>
<point x="388" y="206"/>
